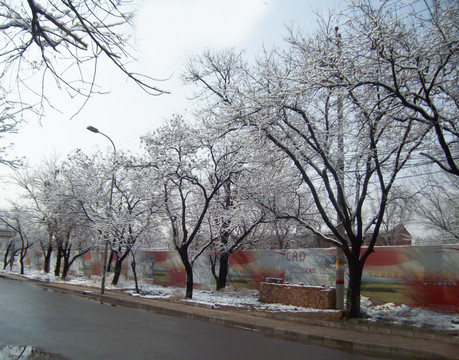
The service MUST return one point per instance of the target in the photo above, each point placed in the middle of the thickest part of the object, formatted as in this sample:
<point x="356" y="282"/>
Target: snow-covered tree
<point x="10" y="121"/>
<point x="398" y="213"/>
<point x="17" y="219"/>
<point x="191" y="169"/>
<point x="121" y="215"/>
<point x="342" y="139"/>
<point x="90" y="179"/>
<point x="134" y="209"/>
<point x="288" y="202"/>
<point x="235" y="214"/>
<point x="66" y="223"/>
<point x="54" y="45"/>
<point x="408" y="51"/>
<point x="63" y="42"/>
<point x="34" y="185"/>
<point x="436" y="206"/>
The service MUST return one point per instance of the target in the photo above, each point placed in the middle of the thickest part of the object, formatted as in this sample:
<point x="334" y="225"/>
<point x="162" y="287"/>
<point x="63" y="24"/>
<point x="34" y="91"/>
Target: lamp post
<point x="104" y="268"/>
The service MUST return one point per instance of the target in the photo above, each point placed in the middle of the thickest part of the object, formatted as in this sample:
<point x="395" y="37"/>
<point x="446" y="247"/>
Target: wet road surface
<point x="76" y="328"/>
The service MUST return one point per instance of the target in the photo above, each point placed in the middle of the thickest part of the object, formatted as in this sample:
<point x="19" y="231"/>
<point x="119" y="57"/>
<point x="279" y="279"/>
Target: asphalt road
<point x="76" y="328"/>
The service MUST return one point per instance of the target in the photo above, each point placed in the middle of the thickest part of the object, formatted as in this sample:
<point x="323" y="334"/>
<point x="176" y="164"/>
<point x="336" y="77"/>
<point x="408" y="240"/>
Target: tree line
<point x="320" y="134"/>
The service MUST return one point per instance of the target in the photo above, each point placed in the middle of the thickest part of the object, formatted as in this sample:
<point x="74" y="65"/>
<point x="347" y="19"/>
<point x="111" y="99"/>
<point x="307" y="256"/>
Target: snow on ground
<point x="248" y="299"/>
<point x="404" y="315"/>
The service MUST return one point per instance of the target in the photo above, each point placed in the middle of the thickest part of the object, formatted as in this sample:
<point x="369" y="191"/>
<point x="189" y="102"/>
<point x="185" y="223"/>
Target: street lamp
<point x="104" y="269"/>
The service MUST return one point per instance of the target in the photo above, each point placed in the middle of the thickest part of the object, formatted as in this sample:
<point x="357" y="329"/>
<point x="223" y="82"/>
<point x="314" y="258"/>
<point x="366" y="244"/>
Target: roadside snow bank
<point x="407" y="316"/>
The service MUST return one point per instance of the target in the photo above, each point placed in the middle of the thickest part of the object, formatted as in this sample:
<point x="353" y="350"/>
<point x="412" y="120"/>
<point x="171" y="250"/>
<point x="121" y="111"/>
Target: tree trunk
<point x="12" y="256"/>
<point x="353" y="292"/>
<point x="5" y="256"/>
<point x="117" y="271"/>
<point x="65" y="268"/>
<point x="23" y="253"/>
<point x="47" y="265"/>
<point x="189" y="282"/>
<point x="57" y="269"/>
<point x="67" y="264"/>
<point x="135" y="275"/>
<point x="189" y="272"/>
<point x="223" y="270"/>
<point x="118" y="267"/>
<point x="21" y="262"/>
<point x="69" y="260"/>
<point x="110" y="260"/>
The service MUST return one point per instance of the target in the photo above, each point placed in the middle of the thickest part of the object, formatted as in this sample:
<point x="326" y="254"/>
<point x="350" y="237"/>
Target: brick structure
<point x="316" y="297"/>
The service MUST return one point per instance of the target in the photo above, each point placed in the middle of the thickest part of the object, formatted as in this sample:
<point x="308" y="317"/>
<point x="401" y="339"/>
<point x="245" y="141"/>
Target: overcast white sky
<point x="167" y="33"/>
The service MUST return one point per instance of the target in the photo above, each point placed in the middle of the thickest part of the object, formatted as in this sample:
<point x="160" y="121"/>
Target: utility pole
<point x="340" y="268"/>
<point x="340" y="258"/>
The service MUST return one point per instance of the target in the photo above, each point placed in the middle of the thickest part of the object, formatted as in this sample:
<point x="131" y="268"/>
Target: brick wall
<point x="298" y="295"/>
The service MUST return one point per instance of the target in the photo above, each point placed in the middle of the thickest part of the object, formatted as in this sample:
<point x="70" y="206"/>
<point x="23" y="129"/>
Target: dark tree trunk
<point x="353" y="292"/>
<point x="117" y="271"/>
<point x="23" y="253"/>
<point x="223" y="270"/>
<point x="189" y="282"/>
<point x="21" y="261"/>
<point x="12" y="255"/>
<point x="57" y="269"/>
<point x="5" y="256"/>
<point x="118" y="267"/>
<point x="47" y="255"/>
<point x="65" y="268"/>
<point x="67" y="263"/>
<point x="189" y="272"/>
<point x="135" y="274"/>
<point x="110" y="260"/>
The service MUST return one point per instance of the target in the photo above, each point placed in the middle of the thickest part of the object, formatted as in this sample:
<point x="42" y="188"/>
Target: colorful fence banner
<point x="314" y="267"/>
<point x="88" y="264"/>
<point x="425" y="276"/>
<point x="247" y="269"/>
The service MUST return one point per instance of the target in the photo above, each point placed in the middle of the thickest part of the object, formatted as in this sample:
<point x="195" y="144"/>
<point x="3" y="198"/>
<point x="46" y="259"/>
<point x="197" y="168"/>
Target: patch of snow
<point x="156" y="292"/>
<point x="407" y="316"/>
<point x="15" y="352"/>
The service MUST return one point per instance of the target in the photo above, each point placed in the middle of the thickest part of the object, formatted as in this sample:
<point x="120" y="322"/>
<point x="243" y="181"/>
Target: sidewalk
<point x="354" y="335"/>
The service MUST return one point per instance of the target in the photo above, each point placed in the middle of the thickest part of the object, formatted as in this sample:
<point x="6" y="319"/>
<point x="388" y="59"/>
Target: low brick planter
<point x="316" y="297"/>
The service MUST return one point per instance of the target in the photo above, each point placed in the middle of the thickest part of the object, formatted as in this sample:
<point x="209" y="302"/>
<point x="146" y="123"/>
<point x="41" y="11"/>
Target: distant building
<point x="6" y="234"/>
<point x="397" y="236"/>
